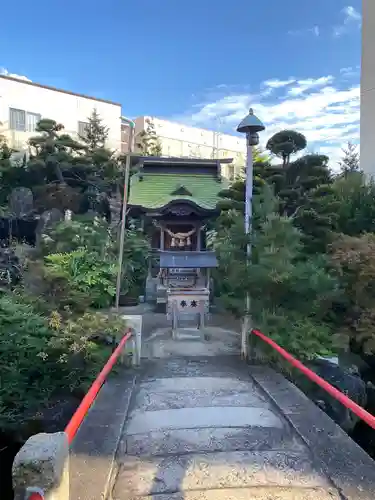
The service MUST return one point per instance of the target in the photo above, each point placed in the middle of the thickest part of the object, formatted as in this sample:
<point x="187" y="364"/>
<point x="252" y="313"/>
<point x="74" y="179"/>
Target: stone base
<point x="188" y="334"/>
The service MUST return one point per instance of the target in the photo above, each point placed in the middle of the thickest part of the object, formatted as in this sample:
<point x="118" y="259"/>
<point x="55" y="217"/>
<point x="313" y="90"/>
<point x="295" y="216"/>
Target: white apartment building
<point x="368" y="88"/>
<point x="24" y="103"/>
<point x="183" y="141"/>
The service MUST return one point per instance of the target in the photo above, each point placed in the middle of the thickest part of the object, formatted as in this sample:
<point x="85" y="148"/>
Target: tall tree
<point x="147" y="141"/>
<point x="350" y="160"/>
<point x="96" y="133"/>
<point x="289" y="295"/>
<point x="57" y="167"/>
<point x="353" y="258"/>
<point x="52" y="151"/>
<point x="303" y="190"/>
<point x="285" y="143"/>
<point x="354" y="196"/>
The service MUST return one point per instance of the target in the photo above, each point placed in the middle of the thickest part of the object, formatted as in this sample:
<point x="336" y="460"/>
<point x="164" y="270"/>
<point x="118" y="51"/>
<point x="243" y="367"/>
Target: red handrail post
<point x="335" y="393"/>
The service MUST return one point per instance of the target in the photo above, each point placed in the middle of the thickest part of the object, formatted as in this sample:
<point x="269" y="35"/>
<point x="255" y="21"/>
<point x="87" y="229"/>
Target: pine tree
<point x="147" y="142"/>
<point x="350" y="161"/>
<point x="52" y="152"/>
<point x="285" y="143"/>
<point x="96" y="133"/>
<point x="289" y="294"/>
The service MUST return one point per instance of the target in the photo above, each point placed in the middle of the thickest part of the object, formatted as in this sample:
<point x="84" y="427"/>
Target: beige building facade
<point x="368" y="88"/>
<point x="24" y="103"/>
<point x="180" y="140"/>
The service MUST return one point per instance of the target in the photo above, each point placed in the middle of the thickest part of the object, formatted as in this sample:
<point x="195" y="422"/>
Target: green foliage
<point x="86" y="272"/>
<point x="53" y="152"/>
<point x="353" y="258"/>
<point x="354" y="198"/>
<point x="80" y="232"/>
<point x="81" y="263"/>
<point x="280" y="282"/>
<point x="298" y="334"/>
<point x="304" y="192"/>
<point x="147" y="142"/>
<point x="42" y="359"/>
<point x="96" y="133"/>
<point x="350" y="161"/>
<point x="285" y="143"/>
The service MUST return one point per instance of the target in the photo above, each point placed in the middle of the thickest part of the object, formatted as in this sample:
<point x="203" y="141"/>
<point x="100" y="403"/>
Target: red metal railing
<point x="77" y="419"/>
<point x="335" y="393"/>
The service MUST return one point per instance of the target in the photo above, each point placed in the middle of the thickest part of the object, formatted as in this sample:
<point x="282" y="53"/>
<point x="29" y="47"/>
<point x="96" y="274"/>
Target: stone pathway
<point x="200" y="428"/>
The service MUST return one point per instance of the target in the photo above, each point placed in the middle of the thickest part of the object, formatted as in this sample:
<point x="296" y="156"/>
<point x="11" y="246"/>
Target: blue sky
<point x="200" y="62"/>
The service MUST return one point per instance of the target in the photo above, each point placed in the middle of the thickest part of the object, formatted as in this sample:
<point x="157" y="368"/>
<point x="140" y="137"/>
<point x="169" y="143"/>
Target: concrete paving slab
<point x="221" y="366"/>
<point x="177" y="441"/>
<point x="146" y="400"/>
<point x="168" y="348"/>
<point x="194" y="418"/>
<point x="247" y="494"/>
<point x="205" y="383"/>
<point x="156" y="475"/>
<point x="349" y="467"/>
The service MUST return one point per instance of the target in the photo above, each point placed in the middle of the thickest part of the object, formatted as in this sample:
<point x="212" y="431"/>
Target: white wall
<point x="368" y="88"/>
<point x="59" y="106"/>
<point x="181" y="140"/>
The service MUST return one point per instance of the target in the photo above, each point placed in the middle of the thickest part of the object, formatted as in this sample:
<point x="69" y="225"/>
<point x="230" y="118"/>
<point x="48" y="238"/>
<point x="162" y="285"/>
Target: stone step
<point x="179" y="441"/>
<point x="201" y="417"/>
<point x="273" y="493"/>
<point x="150" y="398"/>
<point x="188" y="334"/>
<point x="141" y="476"/>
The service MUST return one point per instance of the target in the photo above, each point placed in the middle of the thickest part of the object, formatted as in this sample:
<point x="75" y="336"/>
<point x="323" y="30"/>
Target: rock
<point x="10" y="268"/>
<point x="47" y="220"/>
<point x="21" y="202"/>
<point x="351" y="385"/>
<point x="42" y="462"/>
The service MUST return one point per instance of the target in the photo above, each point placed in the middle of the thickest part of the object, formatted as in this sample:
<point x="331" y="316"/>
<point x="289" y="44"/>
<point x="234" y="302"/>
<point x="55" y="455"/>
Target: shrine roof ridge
<point x="165" y="160"/>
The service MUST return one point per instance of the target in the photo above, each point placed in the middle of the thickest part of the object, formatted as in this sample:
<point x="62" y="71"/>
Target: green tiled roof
<point x="156" y="190"/>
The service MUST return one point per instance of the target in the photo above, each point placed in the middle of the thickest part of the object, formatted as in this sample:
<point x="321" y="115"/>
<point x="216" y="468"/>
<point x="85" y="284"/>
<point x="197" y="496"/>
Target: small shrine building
<point x="174" y="198"/>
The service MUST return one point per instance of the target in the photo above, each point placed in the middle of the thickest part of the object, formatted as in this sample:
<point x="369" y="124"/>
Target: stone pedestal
<point x="188" y="306"/>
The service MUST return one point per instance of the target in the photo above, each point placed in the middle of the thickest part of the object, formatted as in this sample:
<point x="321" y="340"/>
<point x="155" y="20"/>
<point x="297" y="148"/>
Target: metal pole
<point x="124" y="209"/>
<point x="248" y="223"/>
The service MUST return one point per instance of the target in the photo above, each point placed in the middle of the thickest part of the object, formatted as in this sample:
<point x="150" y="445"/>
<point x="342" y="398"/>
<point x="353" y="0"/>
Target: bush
<point x="80" y="232"/>
<point x="300" y="335"/>
<point x="353" y="259"/>
<point x="82" y="274"/>
<point x="80" y="263"/>
<point x="43" y="358"/>
<point x="286" y="291"/>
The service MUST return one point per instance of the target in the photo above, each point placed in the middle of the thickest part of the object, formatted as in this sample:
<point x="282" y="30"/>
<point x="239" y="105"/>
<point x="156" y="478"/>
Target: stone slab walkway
<point x="200" y="428"/>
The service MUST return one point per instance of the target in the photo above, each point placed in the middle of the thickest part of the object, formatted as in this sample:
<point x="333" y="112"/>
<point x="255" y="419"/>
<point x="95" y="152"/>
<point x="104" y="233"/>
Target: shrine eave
<point x="168" y="208"/>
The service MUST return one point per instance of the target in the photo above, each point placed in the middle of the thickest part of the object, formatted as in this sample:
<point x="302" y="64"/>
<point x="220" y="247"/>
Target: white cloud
<point x="351" y="19"/>
<point x="351" y="13"/>
<point x="315" y="30"/>
<point x="303" y="85"/>
<point x="275" y="83"/>
<point x="5" y="72"/>
<point x="350" y="72"/>
<point x="325" y="111"/>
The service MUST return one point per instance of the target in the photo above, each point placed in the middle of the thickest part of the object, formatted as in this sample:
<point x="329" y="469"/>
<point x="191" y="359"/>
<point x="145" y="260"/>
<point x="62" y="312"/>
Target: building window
<point x="32" y="120"/>
<point x="22" y="120"/>
<point x="82" y="128"/>
<point x="17" y="119"/>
